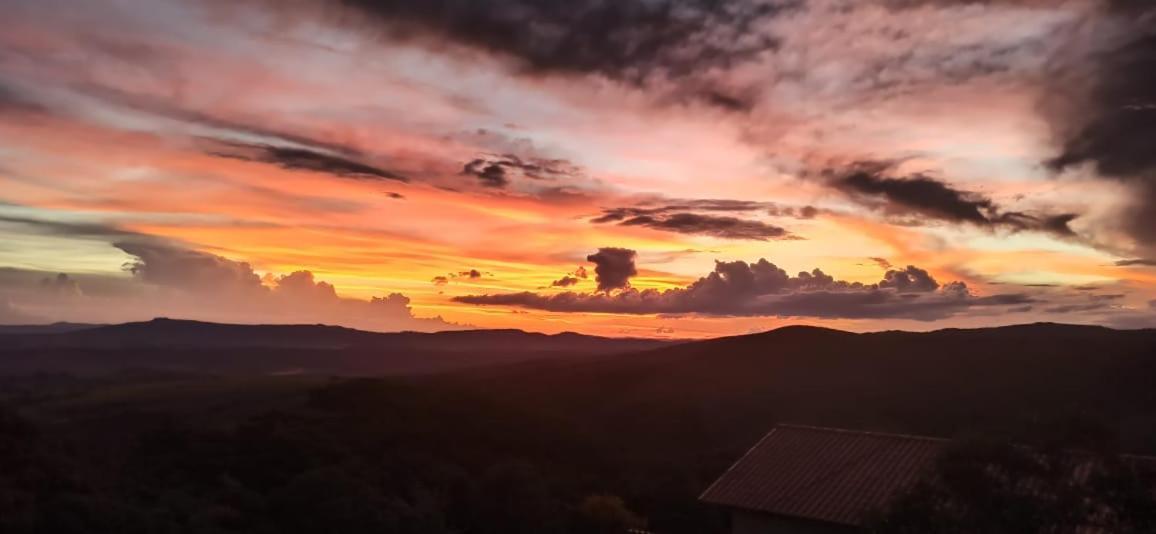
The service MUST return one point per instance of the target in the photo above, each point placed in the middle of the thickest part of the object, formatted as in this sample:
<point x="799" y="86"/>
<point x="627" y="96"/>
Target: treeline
<point x="360" y="456"/>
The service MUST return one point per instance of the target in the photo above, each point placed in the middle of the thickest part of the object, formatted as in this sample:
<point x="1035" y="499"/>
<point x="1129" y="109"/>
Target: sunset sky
<point x="653" y="168"/>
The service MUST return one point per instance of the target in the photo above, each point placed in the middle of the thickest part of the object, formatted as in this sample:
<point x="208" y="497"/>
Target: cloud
<point x="910" y="280"/>
<point x="613" y="268"/>
<point x="565" y="281"/>
<point x="917" y="198"/>
<point x="631" y="41"/>
<point x="77" y="229"/>
<point x="1103" y="109"/>
<point x="715" y="226"/>
<point x="1136" y="262"/>
<point x="172" y="281"/>
<point x="696" y="217"/>
<point x="763" y="289"/>
<point x="882" y="263"/>
<point x="13" y="100"/>
<point x="496" y="170"/>
<point x="306" y="159"/>
<point x="61" y="285"/>
<point x="173" y="266"/>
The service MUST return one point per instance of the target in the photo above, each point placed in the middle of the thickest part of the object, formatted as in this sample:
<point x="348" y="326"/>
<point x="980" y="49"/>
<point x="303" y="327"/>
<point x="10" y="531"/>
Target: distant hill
<point x="728" y="391"/>
<point x="231" y="348"/>
<point x="54" y="328"/>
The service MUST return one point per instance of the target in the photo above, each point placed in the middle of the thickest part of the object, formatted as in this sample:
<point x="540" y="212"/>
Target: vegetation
<point x="993" y="487"/>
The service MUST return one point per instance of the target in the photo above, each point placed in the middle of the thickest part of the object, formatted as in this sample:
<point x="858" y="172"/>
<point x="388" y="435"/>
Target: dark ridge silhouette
<point x="277" y="349"/>
<point x="483" y="431"/>
<point x="932" y="383"/>
<point x="54" y="328"/>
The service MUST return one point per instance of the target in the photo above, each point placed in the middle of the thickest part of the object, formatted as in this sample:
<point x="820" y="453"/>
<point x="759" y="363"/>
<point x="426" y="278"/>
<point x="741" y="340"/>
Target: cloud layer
<point x="763" y="289"/>
<point x="176" y="282"/>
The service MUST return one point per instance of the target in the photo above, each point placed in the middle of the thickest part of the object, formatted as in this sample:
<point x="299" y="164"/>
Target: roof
<point x="824" y="474"/>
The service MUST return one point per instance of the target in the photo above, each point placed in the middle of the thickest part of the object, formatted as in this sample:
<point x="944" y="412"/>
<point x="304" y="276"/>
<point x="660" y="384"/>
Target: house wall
<point x="743" y="522"/>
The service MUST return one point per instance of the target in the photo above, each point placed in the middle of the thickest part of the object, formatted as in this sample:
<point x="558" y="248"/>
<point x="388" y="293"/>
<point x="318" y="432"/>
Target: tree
<point x="996" y="488"/>
<point x="607" y="514"/>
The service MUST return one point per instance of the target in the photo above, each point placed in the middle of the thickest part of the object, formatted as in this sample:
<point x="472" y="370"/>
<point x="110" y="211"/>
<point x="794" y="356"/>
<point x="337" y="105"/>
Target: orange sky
<point x="245" y="139"/>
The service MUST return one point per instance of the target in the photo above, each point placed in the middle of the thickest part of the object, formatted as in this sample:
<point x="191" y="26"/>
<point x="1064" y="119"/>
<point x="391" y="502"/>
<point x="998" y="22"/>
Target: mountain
<point x="726" y="392"/>
<point x="54" y="328"/>
<point x="284" y="349"/>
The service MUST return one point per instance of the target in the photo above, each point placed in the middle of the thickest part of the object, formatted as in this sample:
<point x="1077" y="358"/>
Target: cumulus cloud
<point x="918" y="198"/>
<point x="172" y="266"/>
<point x="763" y="289"/>
<point x="613" y="268"/>
<point x="172" y="281"/>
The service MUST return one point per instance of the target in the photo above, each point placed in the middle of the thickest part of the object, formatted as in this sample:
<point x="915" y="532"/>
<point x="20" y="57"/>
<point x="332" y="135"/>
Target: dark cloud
<point x="910" y="280"/>
<point x="472" y="274"/>
<point x="882" y="263"/>
<point x="633" y="41"/>
<point x="307" y="159"/>
<point x="696" y="217"/>
<point x="1136" y="262"/>
<point x="565" y="281"/>
<point x="395" y="196"/>
<point x="917" y="198"/>
<point x="613" y="268"/>
<point x="497" y="170"/>
<point x="763" y="289"/>
<point x="580" y="272"/>
<point x="1103" y="109"/>
<point x="716" y="226"/>
<point x="489" y="174"/>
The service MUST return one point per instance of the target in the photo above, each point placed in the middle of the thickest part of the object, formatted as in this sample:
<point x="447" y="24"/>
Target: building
<point x="811" y="480"/>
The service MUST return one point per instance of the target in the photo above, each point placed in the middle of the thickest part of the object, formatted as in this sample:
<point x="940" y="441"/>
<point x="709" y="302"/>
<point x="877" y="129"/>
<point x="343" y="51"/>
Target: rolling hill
<point x="177" y="345"/>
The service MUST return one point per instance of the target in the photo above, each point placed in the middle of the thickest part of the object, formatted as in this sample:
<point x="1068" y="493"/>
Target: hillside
<point x="936" y="383"/>
<point x="519" y="446"/>
<point x="199" y="347"/>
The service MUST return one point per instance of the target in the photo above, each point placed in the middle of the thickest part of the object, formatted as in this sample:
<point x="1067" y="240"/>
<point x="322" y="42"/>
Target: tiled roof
<point x="838" y="476"/>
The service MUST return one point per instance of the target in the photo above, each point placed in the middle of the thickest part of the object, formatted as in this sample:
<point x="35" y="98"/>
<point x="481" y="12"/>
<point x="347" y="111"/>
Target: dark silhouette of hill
<point x="726" y="392"/>
<point x="521" y="444"/>
<point x="263" y="349"/>
<point x="54" y="328"/>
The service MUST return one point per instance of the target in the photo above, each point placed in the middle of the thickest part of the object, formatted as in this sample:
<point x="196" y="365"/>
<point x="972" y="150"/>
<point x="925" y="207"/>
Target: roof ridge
<point x="766" y="436"/>
<point x="860" y="432"/>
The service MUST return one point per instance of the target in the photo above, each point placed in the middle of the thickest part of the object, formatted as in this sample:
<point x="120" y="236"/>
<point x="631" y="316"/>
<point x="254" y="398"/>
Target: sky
<point x="651" y="168"/>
